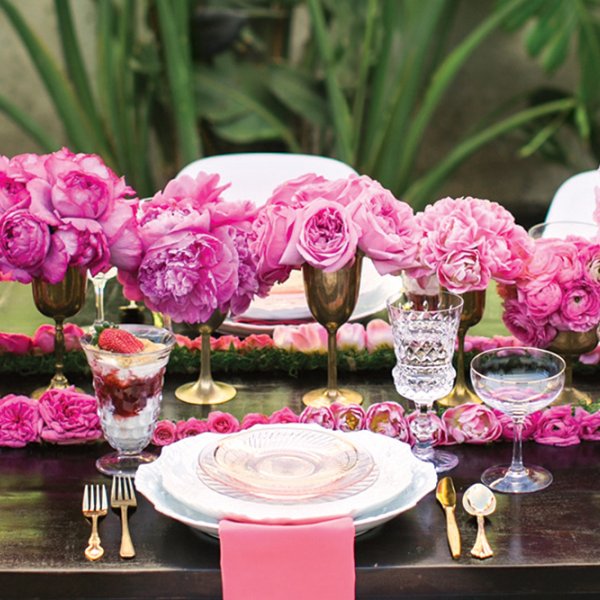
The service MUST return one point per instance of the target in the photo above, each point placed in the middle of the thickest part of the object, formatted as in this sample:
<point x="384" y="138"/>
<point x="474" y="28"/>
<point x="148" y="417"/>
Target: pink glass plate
<point x="286" y="464"/>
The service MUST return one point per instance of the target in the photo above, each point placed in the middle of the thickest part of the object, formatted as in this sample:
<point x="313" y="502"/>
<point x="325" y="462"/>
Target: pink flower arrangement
<point x="349" y="417"/>
<point x="64" y="210"/>
<point x="318" y="415"/>
<point x="589" y="424"/>
<point x="559" y="290"/>
<point x="165" y="433"/>
<point x="388" y="418"/>
<point x="69" y="417"/>
<point x="221" y="422"/>
<point x="508" y="426"/>
<point x="44" y="338"/>
<point x="190" y="428"/>
<point x="466" y="242"/>
<point x="196" y="255"/>
<point x="557" y="426"/>
<point x="326" y="223"/>
<point x="15" y="343"/>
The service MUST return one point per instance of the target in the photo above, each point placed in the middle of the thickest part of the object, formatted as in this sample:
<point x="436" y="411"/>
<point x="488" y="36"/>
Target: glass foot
<point x="531" y="479"/>
<point x="123" y="464"/>
<point x="205" y="393"/>
<point x="325" y="397"/>
<point x="441" y="460"/>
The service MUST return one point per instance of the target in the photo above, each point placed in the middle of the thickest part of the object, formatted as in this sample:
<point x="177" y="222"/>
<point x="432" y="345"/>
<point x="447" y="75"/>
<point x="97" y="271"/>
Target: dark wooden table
<point x="546" y="544"/>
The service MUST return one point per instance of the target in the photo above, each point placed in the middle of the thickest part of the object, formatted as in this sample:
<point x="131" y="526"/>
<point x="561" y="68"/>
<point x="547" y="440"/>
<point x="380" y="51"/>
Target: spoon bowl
<point x="480" y="502"/>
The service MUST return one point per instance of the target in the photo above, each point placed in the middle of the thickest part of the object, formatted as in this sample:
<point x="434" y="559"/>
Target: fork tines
<point x="122" y="490"/>
<point x="94" y="497"/>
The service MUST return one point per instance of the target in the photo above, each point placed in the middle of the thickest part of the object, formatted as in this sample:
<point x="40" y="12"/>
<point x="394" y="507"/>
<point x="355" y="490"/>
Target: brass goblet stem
<point x="59" y="301"/>
<point x="570" y="345"/>
<point x="331" y="299"/>
<point x="205" y="390"/>
<point x="473" y="307"/>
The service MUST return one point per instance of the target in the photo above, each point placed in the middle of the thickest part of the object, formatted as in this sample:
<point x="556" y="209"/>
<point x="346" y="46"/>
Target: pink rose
<point x="24" y="244"/>
<point x="351" y="336"/>
<point x="557" y="427"/>
<point x="190" y="428"/>
<point x="257" y="342"/>
<point x="284" y="415"/>
<point x="272" y="229"/>
<point x="472" y="423"/>
<point x="580" y="308"/>
<point x="389" y="230"/>
<point x="349" y="417"/>
<point x="379" y="335"/>
<point x="165" y="433"/>
<point x="508" y="425"/>
<point x="223" y="342"/>
<point x="15" y="343"/>
<point x="310" y="337"/>
<point x="589" y="424"/>
<point x="220" y="422"/>
<point x="184" y="341"/>
<point x="324" y="236"/>
<point x="463" y="271"/>
<point x="44" y="337"/>
<point x="20" y="421"/>
<point x="251" y="419"/>
<point x="388" y="418"/>
<point x="69" y="417"/>
<point x="439" y="431"/>
<point x="318" y="415"/>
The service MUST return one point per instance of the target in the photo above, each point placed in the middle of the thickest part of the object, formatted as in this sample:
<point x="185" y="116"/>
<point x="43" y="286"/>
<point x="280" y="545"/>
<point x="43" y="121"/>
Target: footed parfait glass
<point x="129" y="393"/>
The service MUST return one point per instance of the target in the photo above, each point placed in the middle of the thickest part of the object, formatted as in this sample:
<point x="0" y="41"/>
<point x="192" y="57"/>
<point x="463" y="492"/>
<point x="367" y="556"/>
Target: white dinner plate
<point x="178" y="468"/>
<point x="148" y="481"/>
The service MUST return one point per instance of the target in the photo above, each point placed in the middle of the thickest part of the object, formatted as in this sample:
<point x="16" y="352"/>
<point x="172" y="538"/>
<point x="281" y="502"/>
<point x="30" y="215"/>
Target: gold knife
<point x="447" y="498"/>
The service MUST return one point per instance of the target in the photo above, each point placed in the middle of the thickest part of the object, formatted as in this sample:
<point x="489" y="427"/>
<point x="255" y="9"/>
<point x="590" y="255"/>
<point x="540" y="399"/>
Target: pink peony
<point x="324" y="236"/>
<point x="20" y="421"/>
<point x="557" y="427"/>
<point x="351" y="336"/>
<point x="15" y="343"/>
<point x="190" y="428"/>
<point x="349" y="417"/>
<point x="165" y="433"/>
<point x="472" y="423"/>
<point x="284" y="415"/>
<point x="310" y="337"/>
<point x="187" y="274"/>
<point x="70" y="417"/>
<point x="508" y="425"/>
<point x="318" y="415"/>
<point x="439" y="431"/>
<point x="388" y="418"/>
<point x="389" y="230"/>
<point x="379" y="335"/>
<point x="251" y="419"/>
<point x="589" y="424"/>
<point x="220" y="422"/>
<point x="44" y="338"/>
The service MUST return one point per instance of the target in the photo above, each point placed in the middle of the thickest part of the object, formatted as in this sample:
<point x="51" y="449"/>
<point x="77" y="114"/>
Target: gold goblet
<point x="205" y="390"/>
<point x="331" y="299"/>
<point x="473" y="307"/>
<point x="59" y="301"/>
<point x="570" y="345"/>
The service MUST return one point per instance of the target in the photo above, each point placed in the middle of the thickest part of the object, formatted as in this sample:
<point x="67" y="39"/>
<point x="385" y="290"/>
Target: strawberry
<point x="120" y="341"/>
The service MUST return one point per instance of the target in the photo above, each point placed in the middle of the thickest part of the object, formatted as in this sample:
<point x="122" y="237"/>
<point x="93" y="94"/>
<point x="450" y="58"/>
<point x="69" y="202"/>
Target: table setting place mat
<point x="284" y="538"/>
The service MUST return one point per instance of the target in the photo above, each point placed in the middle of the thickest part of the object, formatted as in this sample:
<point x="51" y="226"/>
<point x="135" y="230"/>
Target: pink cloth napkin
<point x="288" y="562"/>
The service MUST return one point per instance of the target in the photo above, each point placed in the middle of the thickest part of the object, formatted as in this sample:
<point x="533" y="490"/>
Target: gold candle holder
<point x="59" y="301"/>
<point x="473" y="307"/>
<point x="570" y="345"/>
<point x="206" y="391"/>
<point x="331" y="299"/>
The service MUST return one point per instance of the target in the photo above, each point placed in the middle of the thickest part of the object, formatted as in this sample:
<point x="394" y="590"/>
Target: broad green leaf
<point x="247" y="129"/>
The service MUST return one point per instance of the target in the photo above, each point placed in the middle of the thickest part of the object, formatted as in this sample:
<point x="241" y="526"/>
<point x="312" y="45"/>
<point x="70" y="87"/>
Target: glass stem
<point x="59" y="380"/>
<point x="461" y="384"/>
<point x="423" y="432"/>
<point x="206" y="381"/>
<point x="331" y="362"/>
<point x="99" y="286"/>
<point x="516" y="466"/>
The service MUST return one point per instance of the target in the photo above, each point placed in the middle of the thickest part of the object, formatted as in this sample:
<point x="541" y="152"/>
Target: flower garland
<point x="70" y="417"/>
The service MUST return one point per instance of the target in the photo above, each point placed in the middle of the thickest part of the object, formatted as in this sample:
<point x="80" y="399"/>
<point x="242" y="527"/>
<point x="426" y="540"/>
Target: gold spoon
<point x="480" y="502"/>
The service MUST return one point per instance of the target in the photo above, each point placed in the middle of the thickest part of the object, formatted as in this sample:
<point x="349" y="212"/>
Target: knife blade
<point x="446" y="496"/>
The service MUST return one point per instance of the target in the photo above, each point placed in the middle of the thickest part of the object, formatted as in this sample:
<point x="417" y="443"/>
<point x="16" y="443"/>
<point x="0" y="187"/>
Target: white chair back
<point x="575" y="199"/>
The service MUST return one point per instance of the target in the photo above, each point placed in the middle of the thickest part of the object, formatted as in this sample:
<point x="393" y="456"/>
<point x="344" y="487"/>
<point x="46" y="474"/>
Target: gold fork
<point x="95" y="505"/>
<point x="122" y="495"/>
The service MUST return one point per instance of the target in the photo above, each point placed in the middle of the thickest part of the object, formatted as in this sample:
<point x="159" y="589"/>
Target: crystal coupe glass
<point x="517" y="381"/>
<point x="424" y="330"/>
<point x="129" y="393"/>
